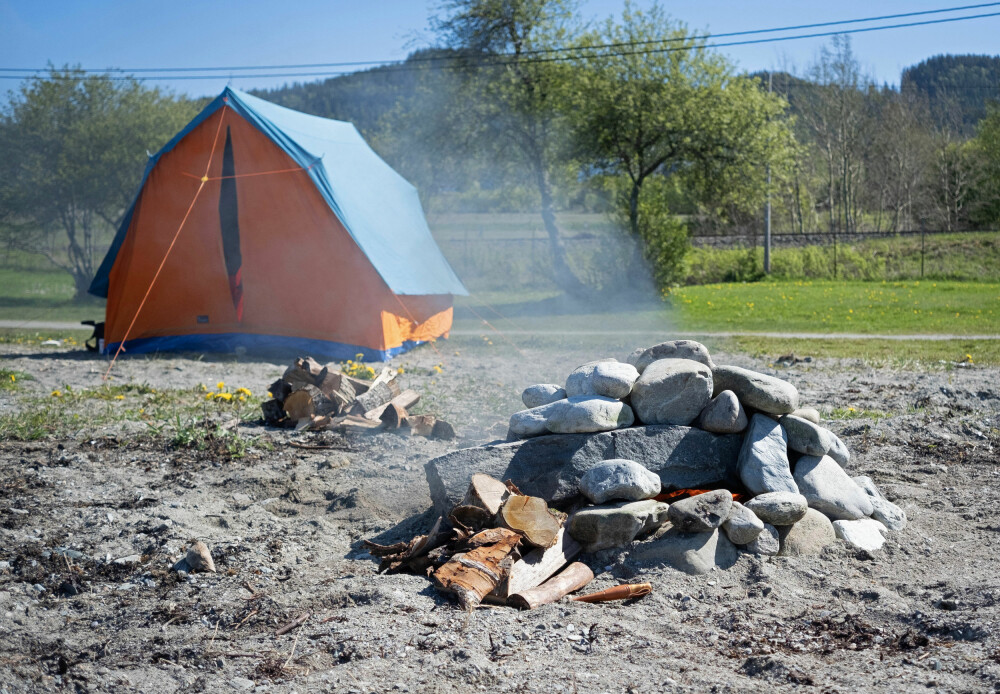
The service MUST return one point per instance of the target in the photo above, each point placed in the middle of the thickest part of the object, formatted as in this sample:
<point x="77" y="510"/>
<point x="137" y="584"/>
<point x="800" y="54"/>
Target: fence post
<point x="834" y="255"/>
<point x="921" y="252"/>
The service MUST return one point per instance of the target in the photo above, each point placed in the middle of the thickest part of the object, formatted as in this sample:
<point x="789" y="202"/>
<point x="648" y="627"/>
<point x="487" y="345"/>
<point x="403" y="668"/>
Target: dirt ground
<point x="90" y="525"/>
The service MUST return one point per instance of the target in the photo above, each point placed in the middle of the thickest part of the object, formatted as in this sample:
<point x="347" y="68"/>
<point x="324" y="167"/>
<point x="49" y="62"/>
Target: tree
<point x="514" y="96"/>
<point x="677" y="110"/>
<point x="75" y="146"/>
<point x="987" y="144"/>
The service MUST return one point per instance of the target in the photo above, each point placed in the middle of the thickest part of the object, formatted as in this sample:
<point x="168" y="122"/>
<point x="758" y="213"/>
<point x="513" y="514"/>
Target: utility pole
<point x="767" y="208"/>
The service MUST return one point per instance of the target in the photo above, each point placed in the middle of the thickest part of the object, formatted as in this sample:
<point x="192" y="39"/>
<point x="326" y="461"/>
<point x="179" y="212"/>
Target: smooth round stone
<point x="672" y="349"/>
<point x="838" y="451"/>
<point x="756" y="390"/>
<point x="810" y="414"/>
<point x="587" y="414"/>
<point x="779" y="508"/>
<point x="701" y="513"/>
<point x="615" y="525"/>
<point x="531" y="422"/>
<point x="805" y="436"/>
<point x="767" y="543"/>
<point x="864" y="533"/>
<point x="808" y="536"/>
<point x="672" y="391"/>
<point x="828" y="488"/>
<point x="692" y="553"/>
<point x="542" y="394"/>
<point x="763" y="460"/>
<point x="723" y="414"/>
<point x="884" y="511"/>
<point x="619" y="479"/>
<point x="742" y="526"/>
<point x="612" y="379"/>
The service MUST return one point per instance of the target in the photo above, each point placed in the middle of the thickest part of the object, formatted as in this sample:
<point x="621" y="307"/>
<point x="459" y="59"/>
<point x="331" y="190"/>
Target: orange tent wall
<point x="303" y="275"/>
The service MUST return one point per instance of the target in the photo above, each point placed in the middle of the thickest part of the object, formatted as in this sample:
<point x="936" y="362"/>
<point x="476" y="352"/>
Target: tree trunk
<point x="562" y="274"/>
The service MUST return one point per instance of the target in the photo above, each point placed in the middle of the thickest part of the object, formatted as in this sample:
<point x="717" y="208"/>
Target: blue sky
<point x="143" y="34"/>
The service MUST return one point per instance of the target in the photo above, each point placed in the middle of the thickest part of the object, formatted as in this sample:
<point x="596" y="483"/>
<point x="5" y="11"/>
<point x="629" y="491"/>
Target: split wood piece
<point x="573" y="577"/>
<point x="314" y="423"/>
<point x="443" y="431"/>
<point x="622" y="592"/>
<point x="538" y="565"/>
<point x="421" y="424"/>
<point x="297" y="622"/>
<point x="381" y="391"/>
<point x="472" y="518"/>
<point x="274" y="413"/>
<point x="335" y="386"/>
<point x="474" y="574"/>
<point x="392" y="417"/>
<point x="280" y="390"/>
<point x="405" y="400"/>
<point x="352" y="422"/>
<point x="486" y="492"/>
<point x="360" y="385"/>
<point x="302" y="372"/>
<point x="307" y="401"/>
<point x="530" y="516"/>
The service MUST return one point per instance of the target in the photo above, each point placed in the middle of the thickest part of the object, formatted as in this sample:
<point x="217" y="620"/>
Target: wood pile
<point x="313" y="396"/>
<point x="497" y="546"/>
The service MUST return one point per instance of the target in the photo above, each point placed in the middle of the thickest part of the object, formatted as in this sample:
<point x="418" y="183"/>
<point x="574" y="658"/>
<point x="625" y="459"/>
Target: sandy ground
<point x="285" y="527"/>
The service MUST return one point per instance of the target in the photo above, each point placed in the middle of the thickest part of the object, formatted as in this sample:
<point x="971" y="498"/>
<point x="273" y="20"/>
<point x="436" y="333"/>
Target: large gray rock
<point x="701" y="513"/>
<point x="551" y="466"/>
<point x="742" y="526"/>
<point x="672" y="391"/>
<point x="723" y="414"/>
<point x="619" y="480"/>
<point x="808" y="536"/>
<point x="779" y="508"/>
<point x="692" y="553"/>
<point x="612" y="379"/>
<point x="530" y="422"/>
<point x="884" y="511"/>
<point x="756" y="390"/>
<point x="542" y="394"/>
<point x="806" y="437"/>
<point x="673" y="349"/>
<point x="763" y="461"/>
<point x="864" y="533"/>
<point x="767" y="544"/>
<point x="828" y="488"/>
<point x="615" y="525"/>
<point x="586" y="414"/>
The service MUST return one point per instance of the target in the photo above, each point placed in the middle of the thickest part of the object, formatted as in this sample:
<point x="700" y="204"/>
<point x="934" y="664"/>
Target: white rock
<point x="767" y="543"/>
<point x="199" y="558"/>
<point x="884" y="511"/>
<point x="723" y="414"/>
<point x="864" y="533"/>
<point x="586" y="414"/>
<point x="779" y="508"/>
<point x="672" y="391"/>
<point x="742" y="526"/>
<point x="531" y="422"/>
<point x="619" y="479"/>
<point x="542" y="394"/>
<point x="611" y="379"/>
<point x="757" y="390"/>
<point x="828" y="488"/>
<point x="672" y="349"/>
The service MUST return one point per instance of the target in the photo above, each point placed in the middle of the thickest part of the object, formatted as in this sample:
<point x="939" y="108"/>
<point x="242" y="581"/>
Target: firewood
<point x="486" y="492"/>
<point x="405" y="400"/>
<point x="625" y="591"/>
<point x="538" y="565"/>
<point x="379" y="393"/>
<point x="274" y="413"/>
<point x="473" y="517"/>
<point x="573" y="577"/>
<point x="359" y="384"/>
<point x="302" y="373"/>
<point x="392" y="417"/>
<point x="530" y="516"/>
<point x="335" y="386"/>
<point x="307" y="401"/>
<point x="442" y="430"/>
<point x="420" y="424"/>
<point x="280" y="390"/>
<point x="475" y="573"/>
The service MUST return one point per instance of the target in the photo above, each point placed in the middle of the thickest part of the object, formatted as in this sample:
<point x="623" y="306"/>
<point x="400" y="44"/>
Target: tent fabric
<point x="264" y="259"/>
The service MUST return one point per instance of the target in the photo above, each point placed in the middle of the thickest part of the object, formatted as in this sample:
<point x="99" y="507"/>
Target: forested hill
<point x="957" y="87"/>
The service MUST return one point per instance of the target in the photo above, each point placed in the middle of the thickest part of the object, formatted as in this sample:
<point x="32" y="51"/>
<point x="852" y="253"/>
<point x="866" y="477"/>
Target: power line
<point x="542" y="51"/>
<point x="581" y="53"/>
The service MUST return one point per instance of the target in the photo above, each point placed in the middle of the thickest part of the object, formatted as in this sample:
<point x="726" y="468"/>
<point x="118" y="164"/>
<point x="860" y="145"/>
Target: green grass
<point x="942" y="307"/>
<point x="875" y="352"/>
<point x="43" y="295"/>
<point x="11" y="379"/>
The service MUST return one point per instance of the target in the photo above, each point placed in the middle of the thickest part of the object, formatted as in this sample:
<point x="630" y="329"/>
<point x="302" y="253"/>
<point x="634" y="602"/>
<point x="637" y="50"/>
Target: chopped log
<point x="307" y="401"/>
<point x="530" y="516"/>
<point x="486" y="492"/>
<point x="274" y="413"/>
<point x="405" y="400"/>
<point x="537" y="565"/>
<point x="302" y="373"/>
<point x="280" y="390"/>
<point x="378" y="394"/>
<point x="421" y="424"/>
<point x="442" y="430"/>
<point x="392" y="417"/>
<point x="622" y="592"/>
<point x="573" y="577"/>
<point x="474" y="574"/>
<point x="360" y="385"/>
<point x="335" y="386"/>
<point x="471" y="517"/>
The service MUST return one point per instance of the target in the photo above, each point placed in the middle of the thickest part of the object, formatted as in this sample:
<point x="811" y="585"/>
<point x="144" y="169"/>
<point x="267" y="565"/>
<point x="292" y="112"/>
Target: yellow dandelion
<point x="242" y="398"/>
<point x="437" y="369"/>
<point x="401" y="370"/>
<point x="359" y="355"/>
<point x="119" y="397"/>
<point x="220" y="385"/>
<point x="56" y="394"/>
<point x="209" y="396"/>
<point x="244" y="391"/>
<point x="270" y="394"/>
<point x="202" y="387"/>
<point x="224" y="396"/>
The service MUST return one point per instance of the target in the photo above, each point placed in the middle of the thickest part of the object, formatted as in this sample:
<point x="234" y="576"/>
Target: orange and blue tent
<point x="264" y="228"/>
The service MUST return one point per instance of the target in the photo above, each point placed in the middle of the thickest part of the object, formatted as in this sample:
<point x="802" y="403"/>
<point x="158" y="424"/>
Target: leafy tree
<point x="75" y="146"/>
<point x="987" y="144"/>
<point x="514" y="96"/>
<point x="675" y="111"/>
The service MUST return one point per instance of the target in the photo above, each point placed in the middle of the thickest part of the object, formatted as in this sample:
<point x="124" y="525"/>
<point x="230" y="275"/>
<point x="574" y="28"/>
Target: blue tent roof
<point x="378" y="207"/>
